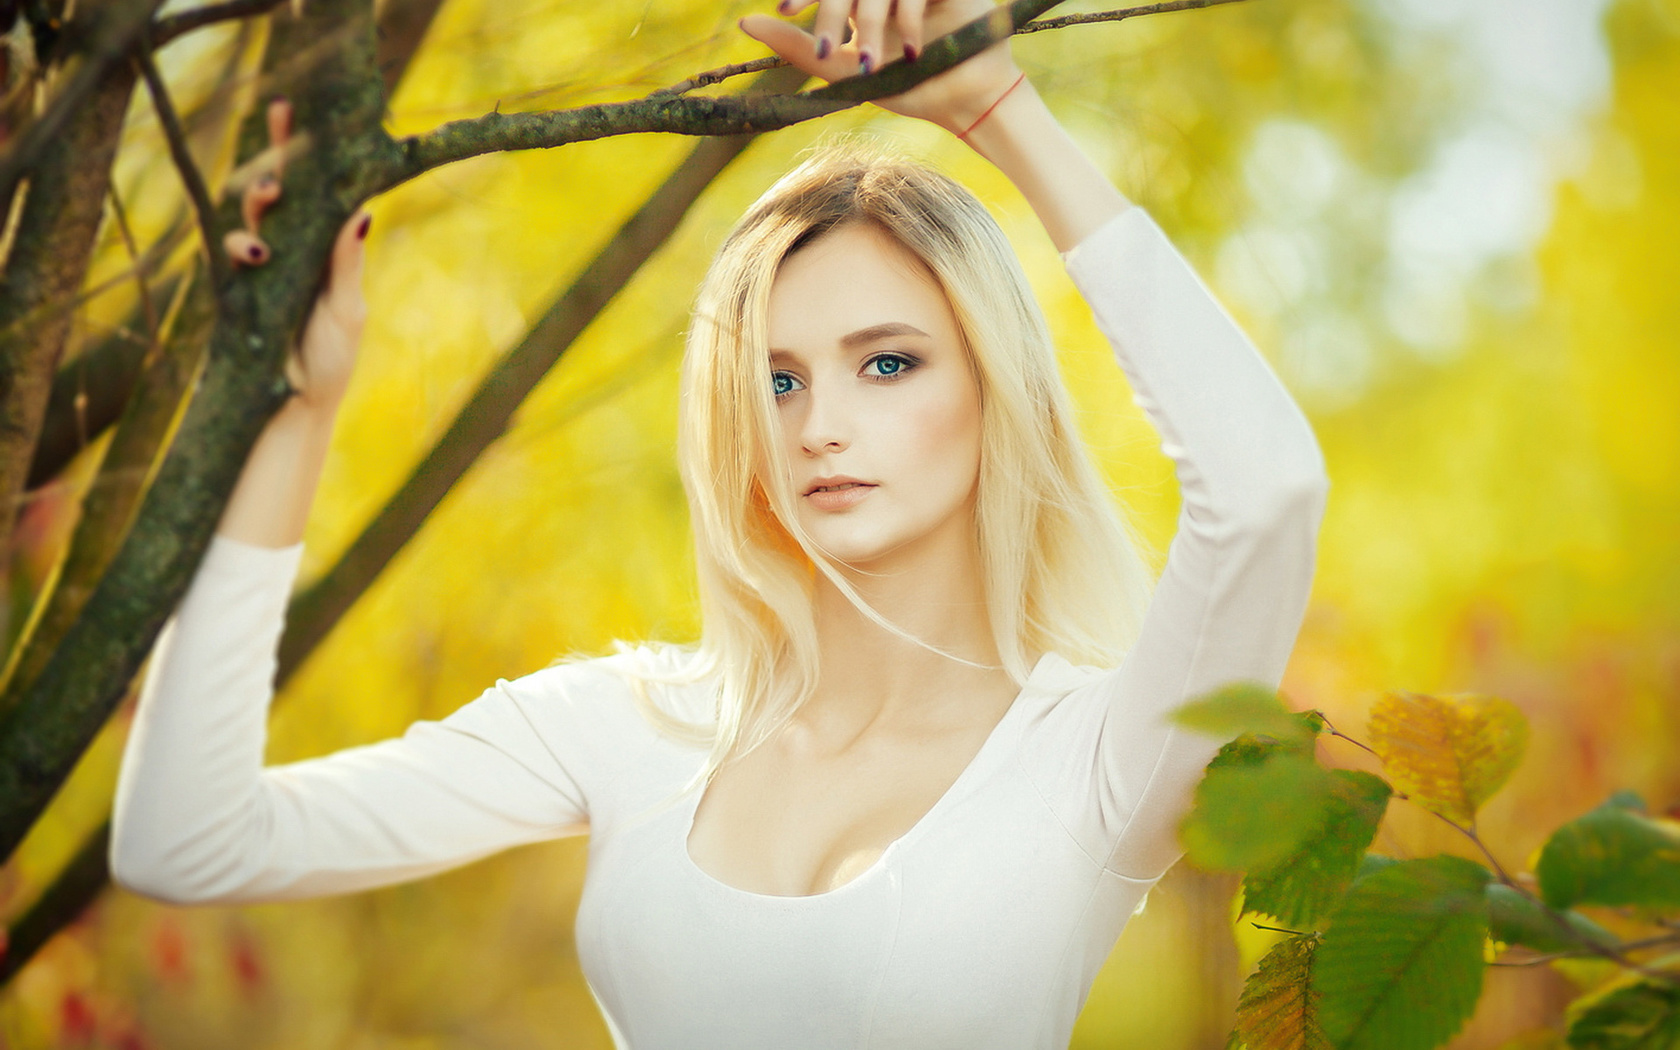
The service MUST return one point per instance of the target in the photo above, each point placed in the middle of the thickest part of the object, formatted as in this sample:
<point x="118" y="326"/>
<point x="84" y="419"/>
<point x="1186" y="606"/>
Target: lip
<point x="837" y="493"/>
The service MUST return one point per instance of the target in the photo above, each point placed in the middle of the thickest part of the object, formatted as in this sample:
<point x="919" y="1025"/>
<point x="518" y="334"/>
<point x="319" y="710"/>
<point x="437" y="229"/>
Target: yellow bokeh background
<point x="1505" y="513"/>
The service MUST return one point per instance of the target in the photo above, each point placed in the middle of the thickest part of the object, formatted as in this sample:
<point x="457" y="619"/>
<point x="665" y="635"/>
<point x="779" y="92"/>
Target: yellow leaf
<point x="1448" y="753"/>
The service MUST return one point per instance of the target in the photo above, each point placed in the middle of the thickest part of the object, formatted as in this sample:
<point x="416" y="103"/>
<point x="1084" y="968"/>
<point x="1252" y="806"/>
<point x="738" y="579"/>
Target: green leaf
<point x="1307" y="885"/>
<point x="1612" y="855"/>
<point x="1247" y="708"/>
<point x="1372" y="863"/>
<point x="1641" y="1016"/>
<point x="1401" y="968"/>
<point x="1449" y="754"/>
<point x="1279" y="1009"/>
<point x="1517" y="918"/>
<point x="1255" y="806"/>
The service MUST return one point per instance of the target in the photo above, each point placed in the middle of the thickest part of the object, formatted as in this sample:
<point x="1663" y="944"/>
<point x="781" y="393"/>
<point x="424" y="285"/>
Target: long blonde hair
<point x="1062" y="572"/>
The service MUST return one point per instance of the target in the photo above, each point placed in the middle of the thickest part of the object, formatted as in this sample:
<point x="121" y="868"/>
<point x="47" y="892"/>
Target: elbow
<point x="147" y="865"/>
<point x="1285" y="499"/>
<point x="147" y="877"/>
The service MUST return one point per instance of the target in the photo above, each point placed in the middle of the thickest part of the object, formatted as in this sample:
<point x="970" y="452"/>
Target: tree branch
<point x="169" y="27"/>
<point x="181" y="154"/>
<point x="108" y="40"/>
<point x="486" y="414"/>
<point x="697" y="115"/>
<point x="242" y="385"/>
<point x="1037" y="25"/>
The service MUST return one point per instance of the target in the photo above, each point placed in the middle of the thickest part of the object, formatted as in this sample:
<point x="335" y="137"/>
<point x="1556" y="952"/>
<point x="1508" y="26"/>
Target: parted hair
<point x="1062" y="571"/>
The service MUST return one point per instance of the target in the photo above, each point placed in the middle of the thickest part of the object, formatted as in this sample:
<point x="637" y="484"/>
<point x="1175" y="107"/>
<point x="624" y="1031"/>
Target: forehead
<point x="851" y="278"/>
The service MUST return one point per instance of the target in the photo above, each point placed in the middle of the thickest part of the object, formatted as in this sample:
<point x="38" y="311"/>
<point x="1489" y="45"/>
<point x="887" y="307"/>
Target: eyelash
<point x="906" y="364"/>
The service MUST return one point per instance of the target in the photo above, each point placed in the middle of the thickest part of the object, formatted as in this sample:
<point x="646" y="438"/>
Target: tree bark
<point x="54" y="242"/>
<point x="338" y="101"/>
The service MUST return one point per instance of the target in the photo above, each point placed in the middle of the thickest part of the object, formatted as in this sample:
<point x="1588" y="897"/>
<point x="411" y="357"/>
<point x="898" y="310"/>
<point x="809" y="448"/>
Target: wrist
<point x="968" y="124"/>
<point x="1007" y="123"/>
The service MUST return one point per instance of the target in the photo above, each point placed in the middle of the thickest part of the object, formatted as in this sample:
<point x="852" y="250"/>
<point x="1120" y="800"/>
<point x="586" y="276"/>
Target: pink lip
<point x="837" y="493"/>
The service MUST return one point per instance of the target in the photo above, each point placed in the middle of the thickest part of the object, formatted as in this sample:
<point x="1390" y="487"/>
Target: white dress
<point x="983" y="926"/>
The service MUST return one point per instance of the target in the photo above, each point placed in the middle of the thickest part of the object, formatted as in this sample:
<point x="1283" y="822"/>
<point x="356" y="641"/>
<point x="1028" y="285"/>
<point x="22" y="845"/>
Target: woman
<point x="880" y="805"/>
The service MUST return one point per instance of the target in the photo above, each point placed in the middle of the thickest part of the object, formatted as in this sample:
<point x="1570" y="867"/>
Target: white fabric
<point x="982" y="927"/>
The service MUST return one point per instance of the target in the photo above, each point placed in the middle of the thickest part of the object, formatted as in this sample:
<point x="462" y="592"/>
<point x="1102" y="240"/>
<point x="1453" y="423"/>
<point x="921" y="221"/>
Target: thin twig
<point x="1275" y="929"/>
<point x="171" y="26"/>
<point x="184" y="165"/>
<point x="1038" y="25"/>
<point x="1062" y="22"/>
<point x="138" y="269"/>
<point x="717" y="76"/>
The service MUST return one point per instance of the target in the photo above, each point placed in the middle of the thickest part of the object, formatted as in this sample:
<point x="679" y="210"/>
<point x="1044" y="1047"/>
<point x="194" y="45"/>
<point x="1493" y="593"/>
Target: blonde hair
<point x="1062" y="572"/>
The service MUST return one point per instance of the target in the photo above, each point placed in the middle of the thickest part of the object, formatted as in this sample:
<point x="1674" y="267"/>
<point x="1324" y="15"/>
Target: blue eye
<point x="783" y="383"/>
<point x="889" y="365"/>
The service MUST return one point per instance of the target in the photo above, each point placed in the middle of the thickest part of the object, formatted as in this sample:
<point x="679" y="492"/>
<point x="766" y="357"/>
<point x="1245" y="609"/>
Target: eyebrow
<point x="879" y="331"/>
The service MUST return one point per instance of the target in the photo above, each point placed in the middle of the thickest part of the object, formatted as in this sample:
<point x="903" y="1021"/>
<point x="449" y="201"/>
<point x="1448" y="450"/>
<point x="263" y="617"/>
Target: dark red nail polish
<point x="912" y="52"/>
<point x="785" y="7"/>
<point x="254" y="253"/>
<point x="362" y="227"/>
<point x="824" y="46"/>
<point x="866" y="64"/>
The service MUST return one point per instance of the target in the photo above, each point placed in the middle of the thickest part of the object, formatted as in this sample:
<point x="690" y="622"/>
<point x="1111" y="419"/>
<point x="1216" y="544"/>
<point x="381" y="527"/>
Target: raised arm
<point x="1230" y="600"/>
<point x="198" y="817"/>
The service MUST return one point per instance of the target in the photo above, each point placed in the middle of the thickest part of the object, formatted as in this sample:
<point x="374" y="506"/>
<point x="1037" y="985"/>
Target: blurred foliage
<point x="1391" y="954"/>
<point x="1503" y="517"/>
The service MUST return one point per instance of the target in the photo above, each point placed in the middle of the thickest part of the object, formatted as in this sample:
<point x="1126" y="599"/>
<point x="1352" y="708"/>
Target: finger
<point x="256" y="199"/>
<point x="245" y="248"/>
<point x="830" y="28"/>
<point x="909" y="21"/>
<point x="343" y="291"/>
<point x="797" y="48"/>
<point x="279" y="128"/>
<point x="870" y="20"/>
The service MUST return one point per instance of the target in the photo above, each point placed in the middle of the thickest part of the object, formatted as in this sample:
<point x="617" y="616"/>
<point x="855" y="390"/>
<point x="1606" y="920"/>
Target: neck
<point x="870" y="673"/>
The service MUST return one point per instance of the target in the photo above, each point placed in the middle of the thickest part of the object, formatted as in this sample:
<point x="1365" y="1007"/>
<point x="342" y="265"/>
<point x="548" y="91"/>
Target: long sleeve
<point x="1231" y="597"/>
<point x="198" y="817"/>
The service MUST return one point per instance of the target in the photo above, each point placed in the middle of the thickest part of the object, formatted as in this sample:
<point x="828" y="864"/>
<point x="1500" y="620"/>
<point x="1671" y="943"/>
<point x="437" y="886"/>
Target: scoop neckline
<point x="982" y="756"/>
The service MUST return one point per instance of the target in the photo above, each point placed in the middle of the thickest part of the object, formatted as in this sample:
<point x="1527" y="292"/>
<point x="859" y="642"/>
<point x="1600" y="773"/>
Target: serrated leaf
<point x="1305" y="886"/>
<point x="1279" y="1009"/>
<point x="1246" y="708"/>
<point x="1517" y="918"/>
<point x="1641" y="1016"/>
<point x="1401" y="967"/>
<point x="1614" y="856"/>
<point x="1254" y="807"/>
<point x="1448" y="753"/>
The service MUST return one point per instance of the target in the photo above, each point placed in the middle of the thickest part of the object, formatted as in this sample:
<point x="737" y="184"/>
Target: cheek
<point x="948" y="429"/>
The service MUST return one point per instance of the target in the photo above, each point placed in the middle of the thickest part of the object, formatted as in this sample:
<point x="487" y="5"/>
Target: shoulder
<point x="633" y="691"/>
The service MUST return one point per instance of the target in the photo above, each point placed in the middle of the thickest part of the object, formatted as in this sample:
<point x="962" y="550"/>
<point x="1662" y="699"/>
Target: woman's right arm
<point x="198" y="817"/>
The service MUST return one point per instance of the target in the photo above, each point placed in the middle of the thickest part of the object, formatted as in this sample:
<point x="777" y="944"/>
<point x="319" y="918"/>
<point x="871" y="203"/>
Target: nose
<point x="824" y="428"/>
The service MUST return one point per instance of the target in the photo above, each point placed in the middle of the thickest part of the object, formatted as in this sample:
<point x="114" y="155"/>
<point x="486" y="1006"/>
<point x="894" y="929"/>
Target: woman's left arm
<point x="1232" y="594"/>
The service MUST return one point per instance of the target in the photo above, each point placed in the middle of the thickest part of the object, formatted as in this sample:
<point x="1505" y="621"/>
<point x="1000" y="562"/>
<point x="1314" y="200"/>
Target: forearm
<point x="270" y="502"/>
<point x="1070" y="195"/>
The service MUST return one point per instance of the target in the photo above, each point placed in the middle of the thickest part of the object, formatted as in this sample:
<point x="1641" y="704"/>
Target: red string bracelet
<point x="964" y="134"/>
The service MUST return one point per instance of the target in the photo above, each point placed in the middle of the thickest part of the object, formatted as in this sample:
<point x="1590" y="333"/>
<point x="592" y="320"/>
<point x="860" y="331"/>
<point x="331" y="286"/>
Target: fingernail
<point x="255" y="253"/>
<point x="362" y="227"/>
<point x="824" y="46"/>
<point x="866" y="63"/>
<point x="785" y="7"/>
<point x="912" y="52"/>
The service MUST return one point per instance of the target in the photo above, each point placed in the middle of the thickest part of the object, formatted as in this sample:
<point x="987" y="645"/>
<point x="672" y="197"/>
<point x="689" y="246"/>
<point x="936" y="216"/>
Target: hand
<point x="326" y="355"/>
<point x="953" y="100"/>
